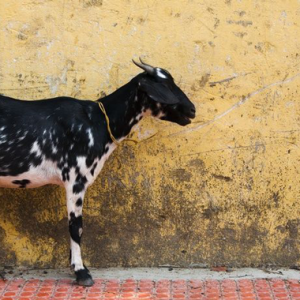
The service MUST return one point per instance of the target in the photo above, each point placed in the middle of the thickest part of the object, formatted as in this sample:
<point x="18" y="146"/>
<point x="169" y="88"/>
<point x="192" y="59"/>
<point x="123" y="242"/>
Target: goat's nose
<point x="193" y="111"/>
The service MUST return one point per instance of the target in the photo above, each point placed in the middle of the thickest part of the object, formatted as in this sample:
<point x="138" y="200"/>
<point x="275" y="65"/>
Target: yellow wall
<point x="224" y="190"/>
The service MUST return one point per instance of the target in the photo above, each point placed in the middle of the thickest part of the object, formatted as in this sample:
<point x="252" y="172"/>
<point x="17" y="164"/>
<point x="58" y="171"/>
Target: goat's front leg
<point x="75" y="198"/>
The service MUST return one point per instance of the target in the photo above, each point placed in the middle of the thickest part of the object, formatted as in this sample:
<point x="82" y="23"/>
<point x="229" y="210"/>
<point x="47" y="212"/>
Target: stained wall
<point x="222" y="191"/>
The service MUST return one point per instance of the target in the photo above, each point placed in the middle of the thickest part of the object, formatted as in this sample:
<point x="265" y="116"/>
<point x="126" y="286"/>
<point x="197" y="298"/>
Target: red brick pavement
<point x="244" y="289"/>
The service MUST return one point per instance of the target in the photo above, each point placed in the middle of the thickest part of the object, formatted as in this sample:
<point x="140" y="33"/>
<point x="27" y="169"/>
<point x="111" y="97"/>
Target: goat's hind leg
<point x="74" y="205"/>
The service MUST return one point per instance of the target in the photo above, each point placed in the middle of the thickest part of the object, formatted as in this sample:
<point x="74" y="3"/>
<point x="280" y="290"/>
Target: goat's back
<point x="58" y="130"/>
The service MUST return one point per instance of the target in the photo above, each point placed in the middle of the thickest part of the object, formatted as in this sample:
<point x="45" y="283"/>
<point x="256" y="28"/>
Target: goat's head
<point x="165" y="99"/>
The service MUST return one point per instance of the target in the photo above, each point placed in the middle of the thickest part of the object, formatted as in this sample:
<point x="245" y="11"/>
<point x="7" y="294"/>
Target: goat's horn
<point x="149" y="69"/>
<point x="146" y="64"/>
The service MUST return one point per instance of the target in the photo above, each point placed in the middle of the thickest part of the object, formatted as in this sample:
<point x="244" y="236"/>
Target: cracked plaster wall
<point x="223" y="191"/>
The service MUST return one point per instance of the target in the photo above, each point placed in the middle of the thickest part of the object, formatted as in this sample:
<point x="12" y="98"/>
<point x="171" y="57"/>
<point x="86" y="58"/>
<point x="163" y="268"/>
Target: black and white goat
<point x="65" y="141"/>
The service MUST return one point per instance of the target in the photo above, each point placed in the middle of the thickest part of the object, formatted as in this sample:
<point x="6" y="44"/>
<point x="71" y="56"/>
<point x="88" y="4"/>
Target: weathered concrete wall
<point x="223" y="191"/>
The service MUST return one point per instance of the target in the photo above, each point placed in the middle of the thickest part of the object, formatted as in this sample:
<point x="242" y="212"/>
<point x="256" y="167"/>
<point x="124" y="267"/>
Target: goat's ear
<point x="158" y="92"/>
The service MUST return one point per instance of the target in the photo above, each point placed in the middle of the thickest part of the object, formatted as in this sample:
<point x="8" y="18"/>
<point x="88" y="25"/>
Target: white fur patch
<point x="76" y="256"/>
<point x="45" y="173"/>
<point x="137" y="118"/>
<point x="36" y="149"/>
<point x="54" y="149"/>
<point x="91" y="138"/>
<point x="160" y="74"/>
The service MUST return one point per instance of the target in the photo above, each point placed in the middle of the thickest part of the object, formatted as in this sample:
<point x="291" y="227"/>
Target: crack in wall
<point x="236" y="105"/>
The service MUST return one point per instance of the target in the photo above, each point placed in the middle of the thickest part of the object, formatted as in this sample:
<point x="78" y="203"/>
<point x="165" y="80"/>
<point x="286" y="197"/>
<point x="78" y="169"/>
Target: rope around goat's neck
<point x="108" y="126"/>
<point x="107" y="123"/>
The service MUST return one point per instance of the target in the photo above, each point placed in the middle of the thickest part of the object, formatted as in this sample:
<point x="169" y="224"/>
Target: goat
<point x="66" y="141"/>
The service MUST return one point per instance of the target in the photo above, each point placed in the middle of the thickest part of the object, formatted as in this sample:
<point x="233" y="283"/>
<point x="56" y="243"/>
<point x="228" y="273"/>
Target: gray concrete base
<point x="156" y="273"/>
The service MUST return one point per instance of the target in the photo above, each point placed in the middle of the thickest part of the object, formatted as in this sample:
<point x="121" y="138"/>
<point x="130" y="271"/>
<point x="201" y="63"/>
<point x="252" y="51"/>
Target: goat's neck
<point x="124" y="109"/>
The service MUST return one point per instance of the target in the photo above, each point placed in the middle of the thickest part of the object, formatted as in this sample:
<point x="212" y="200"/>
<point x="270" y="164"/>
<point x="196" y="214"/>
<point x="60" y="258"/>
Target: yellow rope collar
<point x="107" y="123"/>
<point x="108" y="126"/>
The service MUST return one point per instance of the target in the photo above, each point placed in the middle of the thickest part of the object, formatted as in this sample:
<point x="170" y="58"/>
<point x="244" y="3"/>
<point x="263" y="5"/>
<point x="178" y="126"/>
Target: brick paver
<point x="244" y="289"/>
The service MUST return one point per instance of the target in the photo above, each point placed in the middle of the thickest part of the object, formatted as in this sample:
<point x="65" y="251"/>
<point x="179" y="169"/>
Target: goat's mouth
<point x="180" y="119"/>
<point x="185" y="120"/>
<point x="191" y="115"/>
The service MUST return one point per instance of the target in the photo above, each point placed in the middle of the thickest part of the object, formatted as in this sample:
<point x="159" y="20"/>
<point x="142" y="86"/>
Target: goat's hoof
<point x="84" y="278"/>
<point x="85" y="282"/>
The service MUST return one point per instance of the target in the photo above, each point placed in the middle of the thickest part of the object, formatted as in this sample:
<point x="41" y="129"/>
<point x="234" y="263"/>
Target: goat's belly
<point x="34" y="177"/>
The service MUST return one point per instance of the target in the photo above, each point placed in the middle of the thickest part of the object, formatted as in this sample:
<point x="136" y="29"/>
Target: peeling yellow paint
<point x="222" y="191"/>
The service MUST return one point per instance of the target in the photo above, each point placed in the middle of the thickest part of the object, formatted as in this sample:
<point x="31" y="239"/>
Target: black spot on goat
<point x="21" y="183"/>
